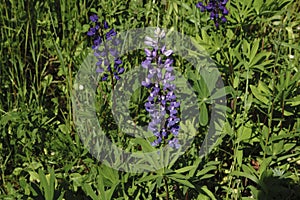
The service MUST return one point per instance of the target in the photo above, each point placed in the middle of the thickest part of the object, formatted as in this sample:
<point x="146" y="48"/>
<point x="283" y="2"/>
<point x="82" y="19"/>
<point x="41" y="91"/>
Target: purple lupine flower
<point x="162" y="104"/>
<point x="97" y="41"/>
<point x="102" y="52"/>
<point x="201" y="6"/>
<point x="94" y="18"/>
<point x="110" y="34"/>
<point x="99" y="70"/>
<point x="217" y="10"/>
<point x="92" y="31"/>
<point x="105" y="25"/>
<point x="174" y="143"/>
<point x="105" y="77"/>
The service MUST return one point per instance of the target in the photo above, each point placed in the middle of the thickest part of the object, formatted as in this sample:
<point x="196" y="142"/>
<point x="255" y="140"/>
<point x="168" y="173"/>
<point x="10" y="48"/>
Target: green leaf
<point x="184" y="169"/>
<point x="254" y="49"/>
<point x="208" y="192"/>
<point x="148" y="178"/>
<point x="206" y="176"/>
<point x="205" y="170"/>
<point x="236" y="82"/>
<point x="178" y="176"/>
<point x="47" y="183"/>
<point x="90" y="192"/>
<point x="146" y="146"/>
<point x="295" y="101"/>
<point x="218" y="94"/>
<point x="239" y="157"/>
<point x="265" y="164"/>
<point x="203" y="115"/>
<point x="244" y="133"/>
<point x="257" y="4"/>
<point x="246" y="175"/>
<point x="85" y="27"/>
<point x="264" y="88"/>
<point x="210" y="78"/>
<point x="258" y="95"/>
<point x="254" y="62"/>
<point x="51" y="184"/>
<point x="183" y="182"/>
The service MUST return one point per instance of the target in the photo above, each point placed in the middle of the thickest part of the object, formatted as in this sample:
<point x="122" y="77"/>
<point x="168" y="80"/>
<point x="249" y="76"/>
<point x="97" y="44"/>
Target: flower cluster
<point x="161" y="104"/>
<point x="217" y="9"/>
<point x="104" y="52"/>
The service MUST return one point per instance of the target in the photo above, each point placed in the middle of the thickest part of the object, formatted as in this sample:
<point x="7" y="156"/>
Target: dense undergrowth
<point x="257" y="156"/>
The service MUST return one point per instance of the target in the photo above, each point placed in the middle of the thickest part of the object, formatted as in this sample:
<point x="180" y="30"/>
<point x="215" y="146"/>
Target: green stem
<point x="167" y="188"/>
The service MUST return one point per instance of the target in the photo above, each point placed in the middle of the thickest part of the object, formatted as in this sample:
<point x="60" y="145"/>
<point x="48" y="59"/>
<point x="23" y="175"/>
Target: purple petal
<point x="94" y="18"/>
<point x="225" y="11"/>
<point x="99" y="62"/>
<point x="168" y="53"/>
<point x="121" y="70"/>
<point x="99" y="70"/>
<point x="105" y="77"/>
<point x="148" y="52"/>
<point x="223" y="19"/>
<point x="146" y="64"/>
<point x="92" y="31"/>
<point x="105" y="25"/>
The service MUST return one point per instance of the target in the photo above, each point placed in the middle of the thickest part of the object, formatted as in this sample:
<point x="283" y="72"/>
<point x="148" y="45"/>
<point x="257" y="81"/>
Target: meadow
<point x="231" y="131"/>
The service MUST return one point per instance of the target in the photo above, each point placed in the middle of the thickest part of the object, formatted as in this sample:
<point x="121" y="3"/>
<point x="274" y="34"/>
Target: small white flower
<point x="81" y="87"/>
<point x="291" y="56"/>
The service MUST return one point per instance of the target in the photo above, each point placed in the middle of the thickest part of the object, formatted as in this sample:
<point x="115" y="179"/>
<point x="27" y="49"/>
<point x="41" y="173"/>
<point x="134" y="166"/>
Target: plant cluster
<point x="161" y="104"/>
<point x="217" y="10"/>
<point x="253" y="43"/>
<point x="102" y="52"/>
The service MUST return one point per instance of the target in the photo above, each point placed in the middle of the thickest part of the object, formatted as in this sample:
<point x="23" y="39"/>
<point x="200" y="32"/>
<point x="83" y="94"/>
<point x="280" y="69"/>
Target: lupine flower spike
<point x="217" y="9"/>
<point x="162" y="104"/>
<point x="102" y="52"/>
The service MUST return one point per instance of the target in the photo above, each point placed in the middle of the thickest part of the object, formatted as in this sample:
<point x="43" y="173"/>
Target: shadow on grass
<point x="278" y="187"/>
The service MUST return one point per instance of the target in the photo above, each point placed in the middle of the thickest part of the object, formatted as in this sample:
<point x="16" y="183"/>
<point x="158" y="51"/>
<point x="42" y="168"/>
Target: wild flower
<point x="162" y="104"/>
<point x="217" y="10"/>
<point x="101" y="34"/>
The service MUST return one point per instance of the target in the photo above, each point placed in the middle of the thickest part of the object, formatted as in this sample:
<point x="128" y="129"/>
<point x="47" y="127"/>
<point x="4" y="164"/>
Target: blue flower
<point x="97" y="41"/>
<point x="105" y="25"/>
<point x="92" y="31"/>
<point x="94" y="18"/>
<point x="162" y="103"/>
<point x="201" y="6"/>
<point x="217" y="9"/>
<point x="102" y="52"/>
<point x="174" y="143"/>
<point x="110" y="34"/>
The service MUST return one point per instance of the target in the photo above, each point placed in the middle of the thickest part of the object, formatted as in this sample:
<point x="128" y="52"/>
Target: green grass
<point x="43" y="44"/>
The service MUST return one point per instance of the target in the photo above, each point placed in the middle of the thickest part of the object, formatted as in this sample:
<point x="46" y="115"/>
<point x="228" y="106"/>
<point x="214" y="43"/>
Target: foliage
<point x="256" y="51"/>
